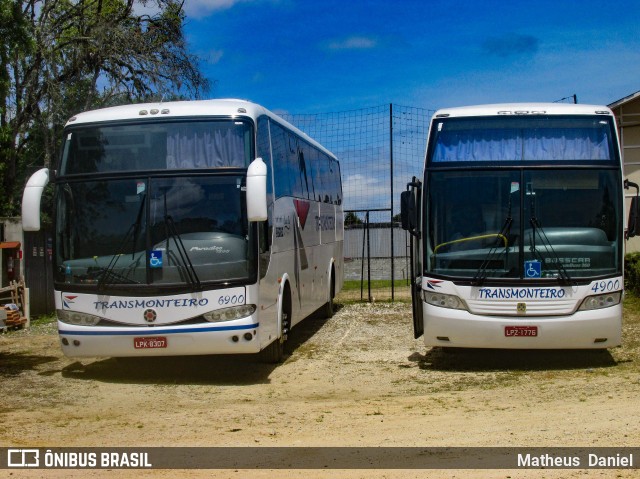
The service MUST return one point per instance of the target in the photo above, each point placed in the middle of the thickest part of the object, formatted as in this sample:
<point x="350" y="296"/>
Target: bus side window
<point x="336" y="183"/>
<point x="280" y="161"/>
<point x="316" y="173"/>
<point x="333" y="186"/>
<point x="264" y="152"/>
<point x="297" y="168"/>
<point x="307" y="158"/>
<point x="326" y="178"/>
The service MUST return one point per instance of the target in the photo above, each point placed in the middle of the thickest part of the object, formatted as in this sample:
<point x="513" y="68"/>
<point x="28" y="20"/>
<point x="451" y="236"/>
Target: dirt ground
<point x="358" y="379"/>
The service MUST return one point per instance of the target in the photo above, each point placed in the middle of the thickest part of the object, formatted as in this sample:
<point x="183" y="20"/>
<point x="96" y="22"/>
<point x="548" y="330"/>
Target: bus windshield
<point x="130" y="232"/>
<point x="524" y="223"/>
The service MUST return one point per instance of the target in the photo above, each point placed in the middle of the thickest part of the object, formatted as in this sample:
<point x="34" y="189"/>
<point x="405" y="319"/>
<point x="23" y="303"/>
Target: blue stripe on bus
<point x="155" y="332"/>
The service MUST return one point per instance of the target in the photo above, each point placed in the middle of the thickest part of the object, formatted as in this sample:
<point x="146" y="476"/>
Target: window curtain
<point x="541" y="144"/>
<point x="205" y="148"/>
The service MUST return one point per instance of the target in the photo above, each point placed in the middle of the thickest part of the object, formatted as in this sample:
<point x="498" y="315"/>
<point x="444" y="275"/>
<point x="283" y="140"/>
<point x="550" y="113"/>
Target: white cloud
<point x="214" y="56"/>
<point x="196" y="8"/>
<point x="353" y="43"/>
<point x="361" y="192"/>
<point x="204" y="8"/>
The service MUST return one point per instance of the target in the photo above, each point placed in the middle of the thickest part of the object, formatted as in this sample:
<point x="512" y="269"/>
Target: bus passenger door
<point x="410" y="213"/>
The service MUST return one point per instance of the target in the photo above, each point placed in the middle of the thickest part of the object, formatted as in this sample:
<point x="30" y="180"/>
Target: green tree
<point x="351" y="219"/>
<point x="60" y="57"/>
<point x="16" y="42"/>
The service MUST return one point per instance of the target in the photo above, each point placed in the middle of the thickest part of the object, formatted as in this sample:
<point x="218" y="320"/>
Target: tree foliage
<point x="60" y="57"/>
<point x="351" y="219"/>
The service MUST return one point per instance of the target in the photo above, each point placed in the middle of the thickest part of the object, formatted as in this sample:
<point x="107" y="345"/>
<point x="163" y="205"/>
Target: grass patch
<point x="355" y="291"/>
<point x="40" y="325"/>
<point x="354" y="285"/>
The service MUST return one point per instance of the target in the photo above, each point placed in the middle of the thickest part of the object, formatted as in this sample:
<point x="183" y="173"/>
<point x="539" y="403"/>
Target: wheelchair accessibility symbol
<point x="155" y="259"/>
<point x="532" y="269"/>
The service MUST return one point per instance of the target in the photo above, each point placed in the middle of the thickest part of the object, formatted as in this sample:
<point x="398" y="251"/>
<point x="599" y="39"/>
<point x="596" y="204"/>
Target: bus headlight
<point x="79" y="319"/>
<point x="443" y="300"/>
<point x="600" y="301"/>
<point x="229" y="314"/>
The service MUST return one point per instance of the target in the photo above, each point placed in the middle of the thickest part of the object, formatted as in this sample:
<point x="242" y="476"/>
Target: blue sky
<point x="317" y="56"/>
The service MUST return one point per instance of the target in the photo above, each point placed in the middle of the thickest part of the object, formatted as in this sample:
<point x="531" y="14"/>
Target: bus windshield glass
<point x="158" y="145"/>
<point x="527" y="139"/>
<point x="141" y="231"/>
<point x="524" y="223"/>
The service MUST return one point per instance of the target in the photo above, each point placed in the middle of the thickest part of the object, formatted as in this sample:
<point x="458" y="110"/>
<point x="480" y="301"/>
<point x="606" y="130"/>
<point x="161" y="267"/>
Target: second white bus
<point x="518" y="228"/>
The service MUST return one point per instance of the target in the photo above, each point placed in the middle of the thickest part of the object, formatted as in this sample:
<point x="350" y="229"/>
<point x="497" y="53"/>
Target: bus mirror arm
<point x="630" y="184"/>
<point x="257" y="190"/>
<point x="31" y="198"/>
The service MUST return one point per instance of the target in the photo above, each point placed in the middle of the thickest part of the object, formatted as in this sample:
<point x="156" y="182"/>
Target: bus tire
<point x="275" y="352"/>
<point x="329" y="308"/>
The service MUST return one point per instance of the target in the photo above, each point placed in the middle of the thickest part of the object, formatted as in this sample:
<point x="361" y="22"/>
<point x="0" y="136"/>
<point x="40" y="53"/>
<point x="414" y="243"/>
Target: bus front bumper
<point x="596" y="329"/>
<point x="234" y="337"/>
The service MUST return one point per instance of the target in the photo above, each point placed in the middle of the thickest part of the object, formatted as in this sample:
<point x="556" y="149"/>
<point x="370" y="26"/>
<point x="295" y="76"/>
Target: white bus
<point x="185" y="228"/>
<point x="517" y="227"/>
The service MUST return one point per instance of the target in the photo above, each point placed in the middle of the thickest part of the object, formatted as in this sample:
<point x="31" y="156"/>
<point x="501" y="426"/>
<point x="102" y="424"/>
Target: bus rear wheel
<point x="329" y="307"/>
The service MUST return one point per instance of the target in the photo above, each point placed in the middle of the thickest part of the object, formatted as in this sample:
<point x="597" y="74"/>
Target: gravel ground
<point x="358" y="379"/>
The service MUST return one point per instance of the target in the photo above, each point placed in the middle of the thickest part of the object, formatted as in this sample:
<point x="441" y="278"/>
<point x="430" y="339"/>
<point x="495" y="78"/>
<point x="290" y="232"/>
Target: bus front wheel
<point x="275" y="352"/>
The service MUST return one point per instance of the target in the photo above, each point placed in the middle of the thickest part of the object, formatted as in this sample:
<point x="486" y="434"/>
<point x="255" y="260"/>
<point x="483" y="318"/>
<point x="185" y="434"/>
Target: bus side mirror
<point x="632" y="224"/>
<point x="406" y="209"/>
<point x="31" y="200"/>
<point x="257" y="191"/>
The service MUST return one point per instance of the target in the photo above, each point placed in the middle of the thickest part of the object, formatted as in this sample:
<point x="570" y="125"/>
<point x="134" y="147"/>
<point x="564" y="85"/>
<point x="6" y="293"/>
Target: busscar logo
<point x="23" y="458"/>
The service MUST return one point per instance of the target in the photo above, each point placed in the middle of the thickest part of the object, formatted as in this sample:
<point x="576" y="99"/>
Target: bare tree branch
<point x="63" y="56"/>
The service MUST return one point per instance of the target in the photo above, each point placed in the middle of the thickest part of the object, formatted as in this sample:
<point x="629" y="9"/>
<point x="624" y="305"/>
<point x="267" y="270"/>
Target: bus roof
<point x="184" y="109"/>
<point x="522" y="109"/>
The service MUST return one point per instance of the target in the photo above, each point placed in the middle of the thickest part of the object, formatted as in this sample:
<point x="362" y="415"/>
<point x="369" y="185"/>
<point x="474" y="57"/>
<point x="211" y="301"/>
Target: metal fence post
<point x="368" y="259"/>
<point x="393" y="254"/>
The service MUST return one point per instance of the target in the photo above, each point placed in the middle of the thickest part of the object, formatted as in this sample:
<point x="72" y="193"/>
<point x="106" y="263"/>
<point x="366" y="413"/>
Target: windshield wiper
<point x="493" y="253"/>
<point x="501" y="238"/>
<point x="563" y="275"/>
<point x="134" y="230"/>
<point x="172" y="232"/>
<point x="107" y="274"/>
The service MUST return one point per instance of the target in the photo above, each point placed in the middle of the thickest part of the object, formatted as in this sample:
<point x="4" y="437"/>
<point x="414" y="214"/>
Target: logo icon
<point x="150" y="315"/>
<point x="23" y="458"/>
<point x="302" y="210"/>
<point x="521" y="308"/>
<point x="155" y="259"/>
<point x="67" y="301"/>
<point x="533" y="269"/>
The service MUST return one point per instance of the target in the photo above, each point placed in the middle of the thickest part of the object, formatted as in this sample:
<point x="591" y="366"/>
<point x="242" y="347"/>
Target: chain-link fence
<point x="380" y="149"/>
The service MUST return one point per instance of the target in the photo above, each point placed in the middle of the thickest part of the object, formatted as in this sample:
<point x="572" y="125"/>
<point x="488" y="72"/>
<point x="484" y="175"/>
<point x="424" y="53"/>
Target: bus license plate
<point x="514" y="331"/>
<point x="150" y="343"/>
